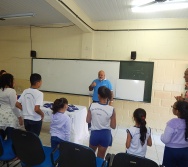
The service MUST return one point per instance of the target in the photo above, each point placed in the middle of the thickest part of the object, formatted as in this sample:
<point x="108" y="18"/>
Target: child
<point x="9" y="114"/>
<point x="60" y="123"/>
<point x="175" y="137"/>
<point x="29" y="102"/>
<point x="102" y="118"/>
<point x="138" y="136"/>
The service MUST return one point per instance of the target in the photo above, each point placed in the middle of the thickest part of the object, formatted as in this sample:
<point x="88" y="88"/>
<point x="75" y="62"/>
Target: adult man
<point x="101" y="81"/>
<point x="186" y="87"/>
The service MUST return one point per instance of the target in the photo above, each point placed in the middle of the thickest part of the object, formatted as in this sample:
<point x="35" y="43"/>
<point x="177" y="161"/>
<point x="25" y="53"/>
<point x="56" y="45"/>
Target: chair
<point x="128" y="160"/>
<point x="6" y="151"/>
<point x="30" y="150"/>
<point x="74" y="155"/>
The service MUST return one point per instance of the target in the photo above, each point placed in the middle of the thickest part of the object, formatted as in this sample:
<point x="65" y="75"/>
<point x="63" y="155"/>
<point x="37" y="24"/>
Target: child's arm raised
<point x="113" y="120"/>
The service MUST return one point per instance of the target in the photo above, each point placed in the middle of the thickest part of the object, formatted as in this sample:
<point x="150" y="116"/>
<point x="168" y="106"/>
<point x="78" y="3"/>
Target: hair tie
<point x="143" y="118"/>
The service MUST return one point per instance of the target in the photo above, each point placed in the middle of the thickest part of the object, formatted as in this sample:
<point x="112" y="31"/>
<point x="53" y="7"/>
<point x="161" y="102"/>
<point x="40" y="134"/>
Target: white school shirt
<point x="29" y="99"/>
<point x="8" y="112"/>
<point x="100" y="116"/>
<point x="136" y="147"/>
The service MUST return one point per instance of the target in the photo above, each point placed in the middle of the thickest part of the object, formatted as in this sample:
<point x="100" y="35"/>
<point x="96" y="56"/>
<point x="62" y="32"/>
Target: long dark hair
<point x="6" y="80"/>
<point x="58" y="104"/>
<point x="104" y="92"/>
<point x="140" y="118"/>
<point x="182" y="107"/>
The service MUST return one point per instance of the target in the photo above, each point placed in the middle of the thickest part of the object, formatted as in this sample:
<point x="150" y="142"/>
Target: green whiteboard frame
<point x="139" y="70"/>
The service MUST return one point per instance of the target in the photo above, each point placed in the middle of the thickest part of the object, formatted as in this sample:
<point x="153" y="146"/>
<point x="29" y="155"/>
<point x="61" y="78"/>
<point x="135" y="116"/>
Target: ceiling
<point x="96" y="10"/>
<point x="107" y="10"/>
<point x="44" y="13"/>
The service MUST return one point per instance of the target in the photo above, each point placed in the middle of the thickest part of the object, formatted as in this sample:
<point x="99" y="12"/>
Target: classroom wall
<point x="168" y="49"/>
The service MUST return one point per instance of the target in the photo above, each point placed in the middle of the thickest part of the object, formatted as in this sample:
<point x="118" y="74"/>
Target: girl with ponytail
<point x="175" y="137"/>
<point x="138" y="136"/>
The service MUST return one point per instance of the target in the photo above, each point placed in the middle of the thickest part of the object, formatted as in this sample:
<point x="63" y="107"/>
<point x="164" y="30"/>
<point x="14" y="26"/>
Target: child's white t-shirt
<point x="29" y="99"/>
<point x="136" y="147"/>
<point x="101" y="116"/>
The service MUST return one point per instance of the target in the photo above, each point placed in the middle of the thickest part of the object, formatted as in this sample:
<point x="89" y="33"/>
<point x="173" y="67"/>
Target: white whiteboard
<point x="73" y="76"/>
<point x="130" y="89"/>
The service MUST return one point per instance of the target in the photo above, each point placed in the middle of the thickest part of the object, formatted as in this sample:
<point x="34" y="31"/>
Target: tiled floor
<point x="154" y="153"/>
<point x="119" y="137"/>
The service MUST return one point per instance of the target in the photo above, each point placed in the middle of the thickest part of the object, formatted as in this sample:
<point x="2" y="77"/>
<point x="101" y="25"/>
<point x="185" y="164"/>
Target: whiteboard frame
<point x="88" y="86"/>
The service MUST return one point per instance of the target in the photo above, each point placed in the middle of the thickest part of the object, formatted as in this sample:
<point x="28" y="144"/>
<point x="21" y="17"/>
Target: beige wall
<point x="168" y="49"/>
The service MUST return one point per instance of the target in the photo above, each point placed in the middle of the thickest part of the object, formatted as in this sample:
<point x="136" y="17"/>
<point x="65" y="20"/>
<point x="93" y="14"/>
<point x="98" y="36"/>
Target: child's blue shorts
<point x="101" y="137"/>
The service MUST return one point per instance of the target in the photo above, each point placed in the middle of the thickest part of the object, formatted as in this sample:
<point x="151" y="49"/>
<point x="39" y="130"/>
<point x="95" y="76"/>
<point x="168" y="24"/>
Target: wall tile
<point x="162" y="95"/>
<point x="167" y="102"/>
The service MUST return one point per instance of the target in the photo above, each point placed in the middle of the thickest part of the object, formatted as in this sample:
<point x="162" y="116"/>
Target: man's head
<point x="186" y="75"/>
<point x="36" y="80"/>
<point x="101" y="75"/>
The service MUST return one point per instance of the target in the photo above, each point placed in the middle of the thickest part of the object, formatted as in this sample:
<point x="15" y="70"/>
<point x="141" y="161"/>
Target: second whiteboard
<point x="130" y="89"/>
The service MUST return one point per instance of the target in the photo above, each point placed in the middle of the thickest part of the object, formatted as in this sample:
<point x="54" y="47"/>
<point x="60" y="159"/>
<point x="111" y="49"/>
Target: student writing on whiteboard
<point x="102" y="118"/>
<point x="100" y="81"/>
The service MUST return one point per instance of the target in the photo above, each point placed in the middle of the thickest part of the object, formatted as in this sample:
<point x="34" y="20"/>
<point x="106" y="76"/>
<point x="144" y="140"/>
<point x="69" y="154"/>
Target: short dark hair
<point x="6" y="80"/>
<point x="34" y="78"/>
<point x="58" y="104"/>
<point x="104" y="92"/>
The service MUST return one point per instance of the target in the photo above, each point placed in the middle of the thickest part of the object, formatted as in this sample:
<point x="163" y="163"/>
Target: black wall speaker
<point x="133" y="55"/>
<point x="33" y="54"/>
